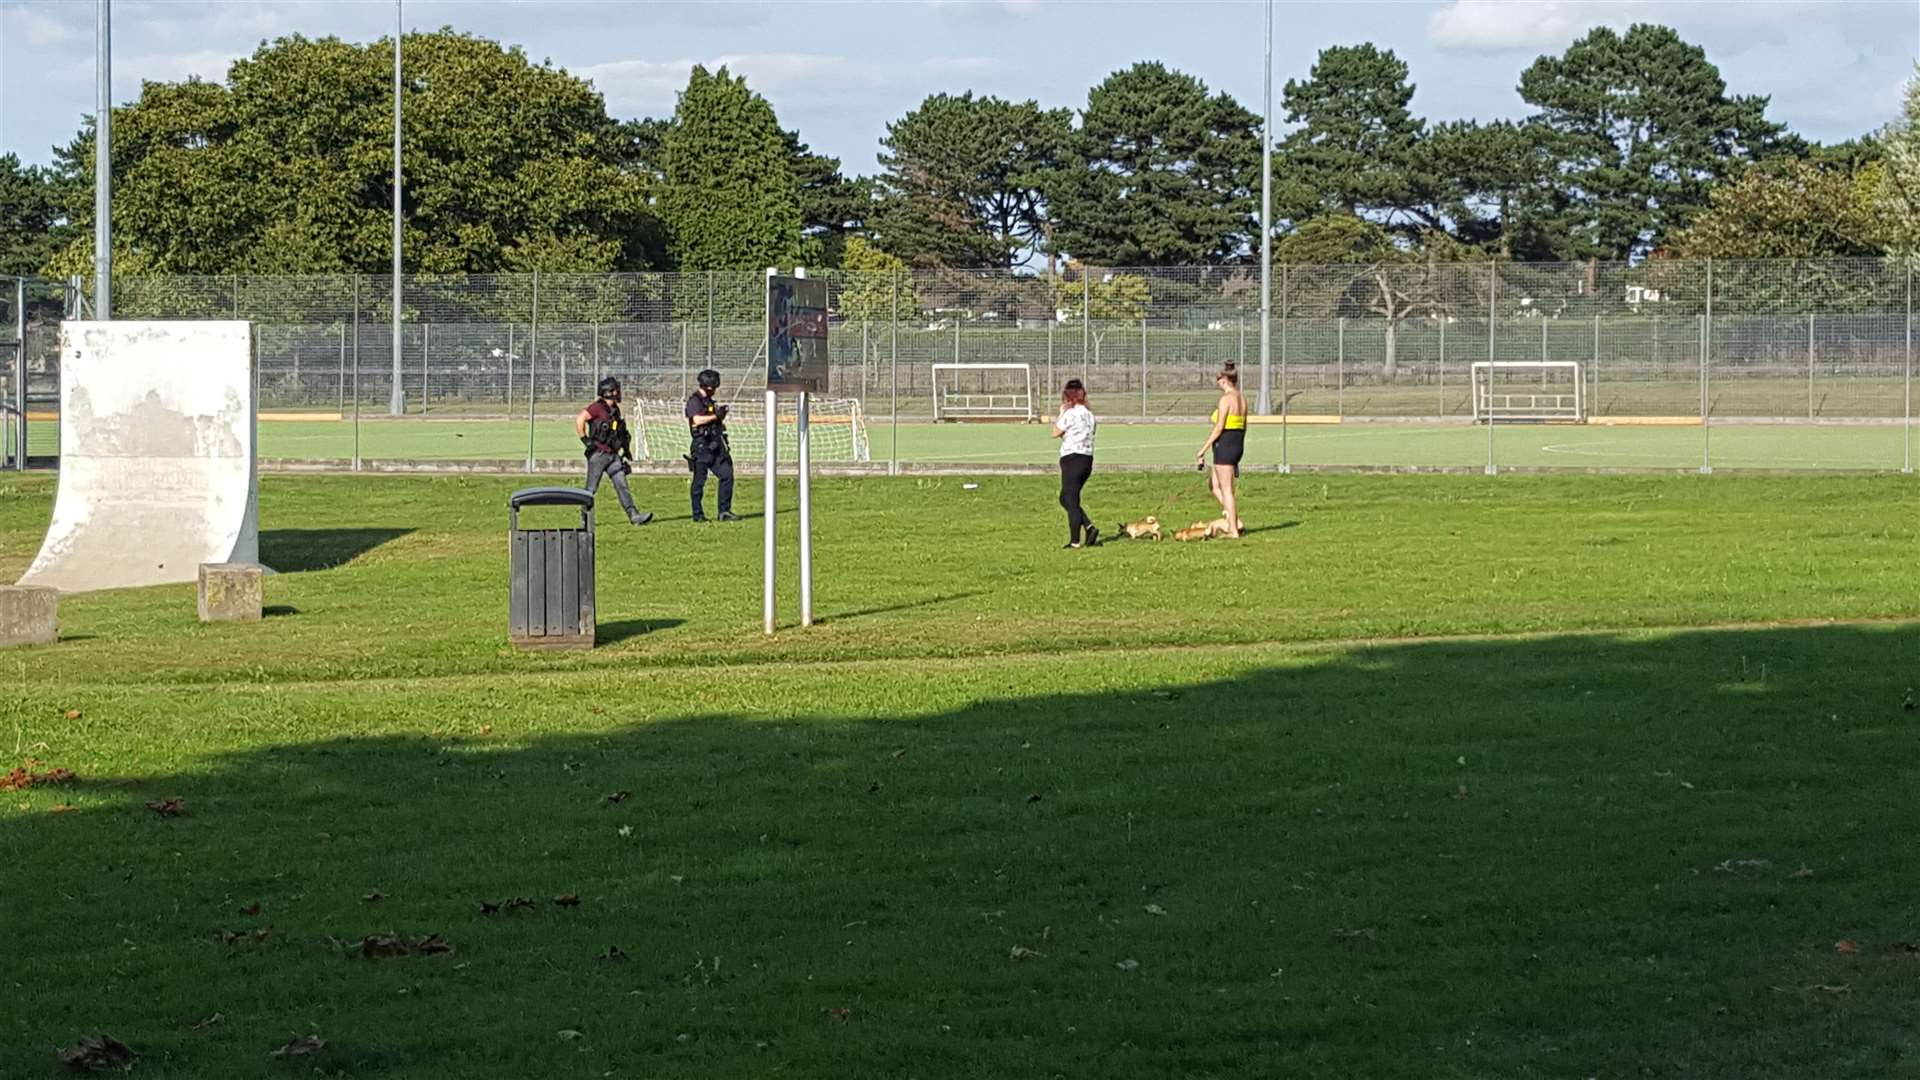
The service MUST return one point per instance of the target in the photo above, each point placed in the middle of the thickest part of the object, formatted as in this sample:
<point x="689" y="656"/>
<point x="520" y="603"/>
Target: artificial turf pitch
<point x="1427" y="776"/>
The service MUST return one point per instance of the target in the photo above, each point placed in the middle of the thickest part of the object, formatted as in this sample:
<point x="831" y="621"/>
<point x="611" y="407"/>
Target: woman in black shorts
<point x="1227" y="440"/>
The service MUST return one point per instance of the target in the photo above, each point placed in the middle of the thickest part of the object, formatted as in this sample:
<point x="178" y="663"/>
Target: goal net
<point x="1542" y="390"/>
<point x="836" y="429"/>
<point x="982" y="392"/>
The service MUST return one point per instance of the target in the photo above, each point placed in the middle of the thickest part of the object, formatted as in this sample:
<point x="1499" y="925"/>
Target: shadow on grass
<point x="608" y="633"/>
<point x="272" y="611"/>
<point x="1567" y="856"/>
<point x="906" y="605"/>
<point x="293" y="551"/>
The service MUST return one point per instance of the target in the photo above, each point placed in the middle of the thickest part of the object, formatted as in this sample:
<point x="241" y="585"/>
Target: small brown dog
<point x="1147" y="526"/>
<point x="1199" y="530"/>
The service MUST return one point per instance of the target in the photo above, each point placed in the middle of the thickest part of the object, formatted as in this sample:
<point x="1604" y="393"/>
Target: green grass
<point x="1456" y="848"/>
<point x="1734" y="446"/>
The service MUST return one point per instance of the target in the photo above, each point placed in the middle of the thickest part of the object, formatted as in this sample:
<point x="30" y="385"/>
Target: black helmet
<point x="709" y="379"/>
<point x="609" y="385"/>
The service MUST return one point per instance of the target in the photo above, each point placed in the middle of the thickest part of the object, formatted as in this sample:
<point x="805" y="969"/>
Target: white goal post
<point x="837" y="429"/>
<point x="983" y="392"/>
<point x="1542" y="390"/>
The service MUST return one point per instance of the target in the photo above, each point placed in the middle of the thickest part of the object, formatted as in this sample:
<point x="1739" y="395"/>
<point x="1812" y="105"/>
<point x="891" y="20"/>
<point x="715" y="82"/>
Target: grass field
<point x="1426" y="777"/>
<point x="1734" y="446"/>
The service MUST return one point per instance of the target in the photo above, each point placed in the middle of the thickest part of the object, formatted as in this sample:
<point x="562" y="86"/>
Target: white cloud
<point x="1501" y="25"/>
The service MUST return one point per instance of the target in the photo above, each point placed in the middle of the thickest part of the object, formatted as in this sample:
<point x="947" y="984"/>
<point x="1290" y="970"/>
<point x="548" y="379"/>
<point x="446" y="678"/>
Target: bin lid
<point x="551" y="496"/>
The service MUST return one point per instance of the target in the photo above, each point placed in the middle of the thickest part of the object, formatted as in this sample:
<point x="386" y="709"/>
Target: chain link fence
<point x="1758" y="346"/>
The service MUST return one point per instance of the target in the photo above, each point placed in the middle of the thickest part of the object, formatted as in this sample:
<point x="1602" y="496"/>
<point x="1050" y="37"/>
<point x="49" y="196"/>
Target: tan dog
<point x="1147" y="526"/>
<point x="1199" y="530"/>
<point x="1218" y="527"/>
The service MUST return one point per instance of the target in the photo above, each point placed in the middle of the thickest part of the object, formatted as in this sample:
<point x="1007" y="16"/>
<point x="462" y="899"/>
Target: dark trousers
<point x="1074" y="470"/>
<point x="600" y="463"/>
<point x="719" y="462"/>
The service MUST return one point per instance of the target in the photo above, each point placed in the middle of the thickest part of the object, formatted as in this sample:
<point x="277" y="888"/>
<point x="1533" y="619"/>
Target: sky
<point x="840" y="71"/>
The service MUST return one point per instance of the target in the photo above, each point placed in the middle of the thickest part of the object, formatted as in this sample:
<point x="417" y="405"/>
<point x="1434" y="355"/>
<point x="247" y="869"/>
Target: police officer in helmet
<point x="603" y="433"/>
<point x="707" y="422"/>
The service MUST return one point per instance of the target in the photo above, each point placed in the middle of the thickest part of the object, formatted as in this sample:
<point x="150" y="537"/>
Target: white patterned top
<point x="1078" y="424"/>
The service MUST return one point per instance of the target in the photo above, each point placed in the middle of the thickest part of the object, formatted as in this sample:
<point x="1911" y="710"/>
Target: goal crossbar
<point x="1499" y="394"/>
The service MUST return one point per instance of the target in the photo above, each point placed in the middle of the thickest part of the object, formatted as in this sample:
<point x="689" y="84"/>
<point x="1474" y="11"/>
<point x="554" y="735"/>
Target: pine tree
<point x="731" y="201"/>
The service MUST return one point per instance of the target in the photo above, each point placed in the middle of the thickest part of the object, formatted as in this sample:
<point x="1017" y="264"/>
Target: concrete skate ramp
<point x="157" y="471"/>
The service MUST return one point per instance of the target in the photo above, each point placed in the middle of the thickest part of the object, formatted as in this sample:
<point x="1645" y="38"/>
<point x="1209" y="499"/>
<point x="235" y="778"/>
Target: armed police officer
<point x="603" y="432"/>
<point x="707" y="421"/>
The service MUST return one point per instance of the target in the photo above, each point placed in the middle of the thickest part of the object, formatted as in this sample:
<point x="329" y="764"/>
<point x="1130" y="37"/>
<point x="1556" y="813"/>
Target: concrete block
<point x="230" y="592"/>
<point x="29" y="615"/>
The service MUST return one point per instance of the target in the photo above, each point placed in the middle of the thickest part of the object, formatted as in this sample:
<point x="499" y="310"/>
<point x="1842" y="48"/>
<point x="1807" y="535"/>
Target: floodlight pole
<point x="1265" y="403"/>
<point x="103" y="162"/>
<point x="20" y="371"/>
<point x="397" y="401"/>
<point x="804" y="462"/>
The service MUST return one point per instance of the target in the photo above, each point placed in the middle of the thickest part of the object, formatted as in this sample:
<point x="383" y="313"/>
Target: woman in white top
<point x="1074" y="428"/>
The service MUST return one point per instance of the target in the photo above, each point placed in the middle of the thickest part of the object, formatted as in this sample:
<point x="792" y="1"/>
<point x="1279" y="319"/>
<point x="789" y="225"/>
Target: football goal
<point x="982" y="392"/>
<point x="1538" y="390"/>
<point x="836" y="429"/>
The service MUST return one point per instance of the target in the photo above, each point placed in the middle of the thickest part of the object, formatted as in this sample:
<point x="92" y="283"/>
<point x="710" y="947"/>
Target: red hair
<point x="1074" y="394"/>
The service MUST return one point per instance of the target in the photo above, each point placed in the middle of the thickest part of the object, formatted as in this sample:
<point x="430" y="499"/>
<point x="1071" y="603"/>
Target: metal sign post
<point x="796" y="363"/>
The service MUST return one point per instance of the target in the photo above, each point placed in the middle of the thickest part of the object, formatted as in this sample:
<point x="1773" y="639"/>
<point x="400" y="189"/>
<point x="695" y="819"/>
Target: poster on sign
<point x="796" y="334"/>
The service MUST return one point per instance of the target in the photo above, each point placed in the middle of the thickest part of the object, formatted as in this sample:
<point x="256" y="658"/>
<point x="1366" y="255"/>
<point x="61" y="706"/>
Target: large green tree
<point x="31" y="229"/>
<point x="1160" y="172"/>
<point x="1900" y="187"/>
<point x="1790" y="209"/>
<point x="510" y="165"/>
<point x="1493" y="186"/>
<point x="833" y="208"/>
<point x="1357" y="147"/>
<point x="961" y="179"/>
<point x="731" y="201"/>
<point x="1642" y="126"/>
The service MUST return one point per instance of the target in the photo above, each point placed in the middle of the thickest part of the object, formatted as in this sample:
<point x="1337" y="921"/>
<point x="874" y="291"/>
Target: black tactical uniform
<point x="709" y="452"/>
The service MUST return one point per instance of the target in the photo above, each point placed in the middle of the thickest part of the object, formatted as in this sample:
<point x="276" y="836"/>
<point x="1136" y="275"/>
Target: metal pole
<point x="533" y="365"/>
<point x="343" y="367"/>
<point x="102" y="164"/>
<point x="1340" y="366"/>
<point x="20" y="372"/>
<point x="1442" y="411"/>
<point x="1810" y="318"/>
<point x="683" y="361"/>
<point x="893" y="454"/>
<point x="426" y="344"/>
<point x="1906" y="461"/>
<point x="1493" y="290"/>
<point x="1086" y="314"/>
<point x="956" y="337"/>
<point x="596" y="354"/>
<point x="397" y="403"/>
<point x="1594" y="401"/>
<point x="767" y="498"/>
<point x="1265" y="402"/>
<point x="1143" y="368"/>
<point x="356" y="373"/>
<point x="509" y="368"/>
<point x="1706" y="351"/>
<point x="806" y="514"/>
<point x="1049" y="382"/>
<point x="710" y="351"/>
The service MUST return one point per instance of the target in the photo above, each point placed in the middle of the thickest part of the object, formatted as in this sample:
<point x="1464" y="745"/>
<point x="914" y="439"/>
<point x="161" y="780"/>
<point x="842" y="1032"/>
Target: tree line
<point x="1634" y="149"/>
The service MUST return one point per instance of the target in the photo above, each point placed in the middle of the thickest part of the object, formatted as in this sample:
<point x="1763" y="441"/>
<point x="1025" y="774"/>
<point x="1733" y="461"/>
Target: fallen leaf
<point x="1803" y="872"/>
<point x="228" y="937"/>
<point x="1128" y="965"/>
<point x="262" y="934"/>
<point x="486" y="729"/>
<point x="374" y="897"/>
<point x="71" y="714"/>
<point x="569" y="1034"/>
<point x="302" y="1046"/>
<point x="216" y="1018"/>
<point x="1035" y="797"/>
<point x="101" y="1053"/>
<point x="1846" y="946"/>
<point x="566" y="900"/>
<point x="432" y="944"/>
<point x="614" y="952"/>
<point x="20" y="778"/>
<point x="1364" y="932"/>
<point x="1155" y="909"/>
<point x="251" y="909"/>
<point x="625" y="830"/>
<point x="173" y="807"/>
<point x="1021" y="952"/>
<point x="518" y="903"/>
<point x="620" y="796"/>
<point x="1825" y="988"/>
<point x="1460" y="794"/>
<point x="898" y="754"/>
<point x="841" y="1014"/>
<point x="383" y="945"/>
<point x="60" y="808"/>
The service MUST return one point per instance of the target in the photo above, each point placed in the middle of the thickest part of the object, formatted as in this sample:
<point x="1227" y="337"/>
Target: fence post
<point x="1286" y="464"/>
<point x="20" y="372"/>
<point x="1706" y="386"/>
<point x="426" y="344"/>
<point x="684" y="392"/>
<point x="893" y="377"/>
<point x="1049" y="382"/>
<point x="356" y="373"/>
<point x="236" y="296"/>
<point x="1143" y="367"/>
<point x="596" y="355"/>
<point x="533" y="365"/>
<point x="1595" y="402"/>
<point x="509" y="369"/>
<point x="866" y="327"/>
<point x="1086" y="315"/>
<point x="956" y="337"/>
<point x="1340" y="366"/>
<point x="1906" y="460"/>
<point x="343" y="366"/>
<point x="1493" y="293"/>
<point x="1810" y="318"/>
<point x="1543" y="344"/>
<point x="710" y="349"/>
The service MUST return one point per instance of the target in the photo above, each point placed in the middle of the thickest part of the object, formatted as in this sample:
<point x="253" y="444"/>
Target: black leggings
<point x="1074" y="470"/>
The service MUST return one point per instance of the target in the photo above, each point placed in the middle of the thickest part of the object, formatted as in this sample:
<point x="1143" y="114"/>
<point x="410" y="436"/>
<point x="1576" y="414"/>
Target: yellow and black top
<point x="1234" y="423"/>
